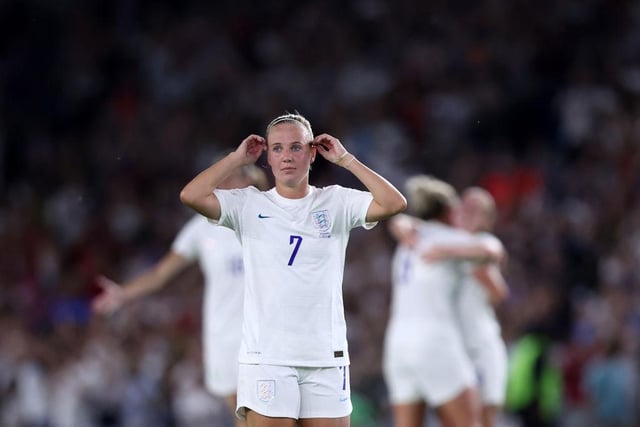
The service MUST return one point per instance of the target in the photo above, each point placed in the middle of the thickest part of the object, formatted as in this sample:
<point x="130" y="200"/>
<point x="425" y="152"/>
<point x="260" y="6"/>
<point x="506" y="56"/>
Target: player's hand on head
<point x="329" y="147"/>
<point x="111" y="298"/>
<point x="252" y="148"/>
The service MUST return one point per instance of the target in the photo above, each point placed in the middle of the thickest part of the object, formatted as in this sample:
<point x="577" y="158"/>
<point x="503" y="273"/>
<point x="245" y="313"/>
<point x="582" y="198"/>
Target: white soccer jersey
<point x="294" y="253"/>
<point x="219" y="255"/>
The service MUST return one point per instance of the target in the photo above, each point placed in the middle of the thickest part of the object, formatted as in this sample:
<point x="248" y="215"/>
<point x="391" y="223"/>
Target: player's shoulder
<point x="336" y="190"/>
<point x="244" y="191"/>
<point x="254" y="190"/>
<point x="435" y="232"/>
<point x="327" y="188"/>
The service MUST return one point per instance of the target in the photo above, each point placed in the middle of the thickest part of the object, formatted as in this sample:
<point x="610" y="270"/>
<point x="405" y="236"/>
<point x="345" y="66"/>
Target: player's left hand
<point x="329" y="147"/>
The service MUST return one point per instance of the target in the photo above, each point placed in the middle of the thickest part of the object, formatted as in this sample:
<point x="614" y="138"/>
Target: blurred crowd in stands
<point x="109" y="108"/>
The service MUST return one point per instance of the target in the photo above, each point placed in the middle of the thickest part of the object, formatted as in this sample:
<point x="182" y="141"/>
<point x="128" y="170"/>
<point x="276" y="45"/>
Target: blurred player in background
<point x="425" y="360"/>
<point x="482" y="288"/>
<point x="294" y="359"/>
<point x="219" y="255"/>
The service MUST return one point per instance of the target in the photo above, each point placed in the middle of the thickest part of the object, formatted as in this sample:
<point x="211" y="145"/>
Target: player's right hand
<point x="111" y="298"/>
<point x="252" y="147"/>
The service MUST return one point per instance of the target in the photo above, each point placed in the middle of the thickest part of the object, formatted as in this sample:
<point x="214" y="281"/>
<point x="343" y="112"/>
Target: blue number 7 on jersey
<point x="297" y="240"/>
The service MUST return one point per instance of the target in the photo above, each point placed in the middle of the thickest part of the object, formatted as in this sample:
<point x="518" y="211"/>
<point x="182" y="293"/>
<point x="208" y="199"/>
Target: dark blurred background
<point x="109" y="107"/>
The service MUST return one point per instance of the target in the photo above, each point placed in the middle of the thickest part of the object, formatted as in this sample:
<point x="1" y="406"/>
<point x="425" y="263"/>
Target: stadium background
<point x="109" y="108"/>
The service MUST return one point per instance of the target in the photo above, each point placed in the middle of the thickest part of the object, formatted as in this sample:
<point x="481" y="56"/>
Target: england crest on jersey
<point x="322" y="222"/>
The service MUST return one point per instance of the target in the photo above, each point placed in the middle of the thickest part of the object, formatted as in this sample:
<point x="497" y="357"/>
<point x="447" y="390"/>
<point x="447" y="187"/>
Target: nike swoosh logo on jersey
<point x="263" y="216"/>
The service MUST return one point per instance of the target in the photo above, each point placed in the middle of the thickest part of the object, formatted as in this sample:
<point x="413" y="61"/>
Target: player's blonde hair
<point x="291" y="117"/>
<point x="428" y="197"/>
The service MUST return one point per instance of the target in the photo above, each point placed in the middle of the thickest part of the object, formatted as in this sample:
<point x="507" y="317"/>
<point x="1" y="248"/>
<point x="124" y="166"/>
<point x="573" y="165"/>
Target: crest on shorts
<point x="322" y="221"/>
<point x="266" y="390"/>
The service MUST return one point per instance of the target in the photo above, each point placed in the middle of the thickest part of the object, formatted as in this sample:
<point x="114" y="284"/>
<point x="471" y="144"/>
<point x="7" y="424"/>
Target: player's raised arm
<point x="198" y="193"/>
<point x="491" y="278"/>
<point x="387" y="200"/>
<point x="476" y="249"/>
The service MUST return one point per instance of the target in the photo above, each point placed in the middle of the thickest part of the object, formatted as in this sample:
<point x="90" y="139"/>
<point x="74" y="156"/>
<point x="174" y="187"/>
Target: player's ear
<point x="265" y="152"/>
<point x="314" y="151"/>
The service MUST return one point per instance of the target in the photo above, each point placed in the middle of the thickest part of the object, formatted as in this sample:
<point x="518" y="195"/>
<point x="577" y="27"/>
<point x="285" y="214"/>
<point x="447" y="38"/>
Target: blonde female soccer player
<point x="294" y="357"/>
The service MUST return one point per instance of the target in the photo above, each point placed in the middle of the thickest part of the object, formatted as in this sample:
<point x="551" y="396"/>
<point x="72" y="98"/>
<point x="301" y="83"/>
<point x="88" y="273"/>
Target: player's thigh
<point x="409" y="414"/>
<point x="490" y="415"/>
<point x="254" y="419"/>
<point x="325" y="422"/>
<point x="461" y="411"/>
<point x="231" y="403"/>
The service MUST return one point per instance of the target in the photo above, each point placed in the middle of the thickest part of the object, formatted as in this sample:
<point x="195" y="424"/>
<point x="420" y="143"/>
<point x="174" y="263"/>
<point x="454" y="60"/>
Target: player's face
<point x="458" y="216"/>
<point x="289" y="153"/>
<point x="470" y="214"/>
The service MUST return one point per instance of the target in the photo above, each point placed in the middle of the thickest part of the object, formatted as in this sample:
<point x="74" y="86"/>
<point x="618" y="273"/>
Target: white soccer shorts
<point x="294" y="392"/>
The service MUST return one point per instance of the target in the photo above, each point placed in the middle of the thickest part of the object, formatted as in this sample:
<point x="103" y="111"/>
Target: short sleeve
<point x="186" y="242"/>
<point x="231" y="203"/>
<point x="357" y="204"/>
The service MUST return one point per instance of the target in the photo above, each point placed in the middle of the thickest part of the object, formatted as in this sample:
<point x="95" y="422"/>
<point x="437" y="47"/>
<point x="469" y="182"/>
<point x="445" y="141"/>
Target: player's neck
<point x="297" y="192"/>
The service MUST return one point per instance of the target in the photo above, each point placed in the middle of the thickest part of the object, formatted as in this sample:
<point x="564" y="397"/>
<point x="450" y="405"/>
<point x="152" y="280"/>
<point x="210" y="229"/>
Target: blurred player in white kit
<point x="425" y="359"/>
<point x="219" y="255"/>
